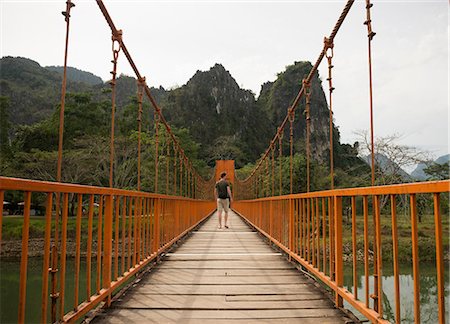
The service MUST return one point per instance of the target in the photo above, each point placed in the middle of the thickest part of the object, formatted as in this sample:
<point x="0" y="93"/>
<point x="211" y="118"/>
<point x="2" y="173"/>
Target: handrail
<point x="132" y="229"/>
<point x="309" y="228"/>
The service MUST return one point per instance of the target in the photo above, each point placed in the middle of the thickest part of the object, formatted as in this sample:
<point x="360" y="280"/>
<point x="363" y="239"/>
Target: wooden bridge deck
<point x="228" y="275"/>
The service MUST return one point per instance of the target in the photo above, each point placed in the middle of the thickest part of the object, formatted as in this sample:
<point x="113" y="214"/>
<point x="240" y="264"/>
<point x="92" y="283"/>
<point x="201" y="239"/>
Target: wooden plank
<point x="218" y="276"/>
<point x="217" y="302"/>
<point x="168" y="316"/>
<point x="280" y="289"/>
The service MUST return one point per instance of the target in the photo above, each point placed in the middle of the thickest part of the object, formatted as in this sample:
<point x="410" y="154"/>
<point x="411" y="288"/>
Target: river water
<point x="9" y="290"/>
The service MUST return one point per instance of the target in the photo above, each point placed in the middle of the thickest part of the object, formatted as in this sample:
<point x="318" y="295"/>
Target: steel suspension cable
<point x="307" y="87"/>
<point x="54" y="295"/>
<point x="115" y="39"/>
<point x="329" y="55"/>
<point x="308" y="79"/>
<point x="140" y="95"/>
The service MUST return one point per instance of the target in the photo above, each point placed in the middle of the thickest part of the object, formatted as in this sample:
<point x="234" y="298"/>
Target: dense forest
<point x="211" y="115"/>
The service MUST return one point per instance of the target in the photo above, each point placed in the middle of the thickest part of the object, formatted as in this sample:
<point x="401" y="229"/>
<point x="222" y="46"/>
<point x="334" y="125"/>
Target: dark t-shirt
<point x="221" y="187"/>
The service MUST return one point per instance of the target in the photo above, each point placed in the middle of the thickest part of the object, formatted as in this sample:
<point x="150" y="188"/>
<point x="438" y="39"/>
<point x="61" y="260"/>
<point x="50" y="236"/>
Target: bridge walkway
<point x="223" y="276"/>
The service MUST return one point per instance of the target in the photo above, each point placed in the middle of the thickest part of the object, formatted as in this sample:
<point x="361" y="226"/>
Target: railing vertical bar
<point x="439" y="259"/>
<point x="331" y="214"/>
<point x="317" y="234"/>
<point x="338" y="239"/>
<point x="89" y="248"/>
<point x="116" y="237"/>
<point x="379" y="252"/>
<point x="354" y="251"/>
<point x="302" y="227"/>
<point x="46" y="261"/>
<point x="366" y="247"/>
<point x="324" y="236"/>
<point x="99" y="244"/>
<point x="135" y="229"/>
<point x="415" y="255"/>
<point x="395" y="258"/>
<point x="130" y="223"/>
<point x="139" y="225"/>
<point x="24" y="258"/>
<point x="107" y="251"/>
<point x="2" y="196"/>
<point x="124" y="219"/>
<point x="62" y="281"/>
<point x="308" y="231"/>
<point x="78" y="250"/>
<point x="313" y="232"/>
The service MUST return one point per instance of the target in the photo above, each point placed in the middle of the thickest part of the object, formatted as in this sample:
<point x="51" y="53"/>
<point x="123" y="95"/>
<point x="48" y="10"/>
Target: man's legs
<point x="225" y="209"/>
<point x="219" y="212"/>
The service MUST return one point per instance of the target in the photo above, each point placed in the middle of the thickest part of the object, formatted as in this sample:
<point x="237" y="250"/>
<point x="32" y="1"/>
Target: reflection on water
<point x="428" y="292"/>
<point x="9" y="288"/>
<point x="10" y="271"/>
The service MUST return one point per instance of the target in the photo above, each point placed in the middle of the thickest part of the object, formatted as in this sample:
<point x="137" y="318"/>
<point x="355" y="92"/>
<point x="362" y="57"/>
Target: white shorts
<point x="223" y="205"/>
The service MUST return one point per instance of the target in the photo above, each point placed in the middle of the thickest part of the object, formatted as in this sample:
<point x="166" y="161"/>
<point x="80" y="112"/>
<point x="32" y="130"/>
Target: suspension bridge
<point x="159" y="256"/>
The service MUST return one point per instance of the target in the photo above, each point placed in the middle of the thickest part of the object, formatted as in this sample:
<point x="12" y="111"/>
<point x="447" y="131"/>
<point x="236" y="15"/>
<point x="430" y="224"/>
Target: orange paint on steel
<point x="317" y="234"/>
<point x="291" y="114"/>
<point x="332" y="237"/>
<point x="395" y="258"/>
<point x="24" y="258"/>
<point x="312" y="237"/>
<point x="134" y="215"/>
<point x="174" y="170"/>
<point x="379" y="265"/>
<point x="123" y="231"/>
<point x="156" y="151"/>
<point x="116" y="36"/>
<point x="140" y="95"/>
<point x="99" y="245"/>
<point x="308" y="232"/>
<point x="439" y="259"/>
<point x="225" y="166"/>
<point x="366" y="246"/>
<point x="89" y="247"/>
<point x="280" y="156"/>
<point x="307" y="88"/>
<point x="130" y="224"/>
<point x="328" y="45"/>
<point x="324" y="236"/>
<point x="107" y="246"/>
<point x="415" y="255"/>
<point x="354" y="250"/>
<point x="2" y="197"/>
<point x="116" y="237"/>
<point x="66" y="14"/>
<point x="157" y="226"/>
<point x="62" y="274"/>
<point x="375" y="213"/>
<point x="167" y="166"/>
<point x="273" y="169"/>
<point x="77" y="250"/>
<point x="370" y="35"/>
<point x="339" y="270"/>
<point x="46" y="261"/>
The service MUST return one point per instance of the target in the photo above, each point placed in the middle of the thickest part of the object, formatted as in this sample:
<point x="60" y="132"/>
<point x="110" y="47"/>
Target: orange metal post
<point x="45" y="264"/>
<point x="99" y="243"/>
<point x="439" y="259"/>
<point x="339" y="270"/>
<point x="77" y="249"/>
<point x="116" y="237"/>
<point x="62" y="278"/>
<point x="366" y="246"/>
<point x="24" y="258"/>
<point x="354" y="251"/>
<point x="395" y="258"/>
<point x="89" y="248"/>
<point x="415" y="254"/>
<point x="107" y="246"/>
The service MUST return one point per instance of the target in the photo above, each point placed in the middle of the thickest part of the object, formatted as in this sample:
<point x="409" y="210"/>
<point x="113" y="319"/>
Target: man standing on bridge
<point x="222" y="192"/>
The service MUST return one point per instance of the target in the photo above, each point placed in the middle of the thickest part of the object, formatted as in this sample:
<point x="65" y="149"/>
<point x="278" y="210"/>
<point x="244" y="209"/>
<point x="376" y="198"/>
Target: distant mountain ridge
<point x="77" y="75"/>
<point x="419" y="173"/>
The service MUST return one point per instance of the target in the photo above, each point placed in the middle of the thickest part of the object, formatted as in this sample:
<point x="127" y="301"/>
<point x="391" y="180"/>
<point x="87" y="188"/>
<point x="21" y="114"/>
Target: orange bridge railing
<point x="116" y="233"/>
<point x="309" y="228"/>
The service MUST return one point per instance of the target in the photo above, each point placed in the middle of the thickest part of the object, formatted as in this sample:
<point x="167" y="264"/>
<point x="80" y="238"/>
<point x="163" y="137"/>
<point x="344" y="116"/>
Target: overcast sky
<point x="255" y="40"/>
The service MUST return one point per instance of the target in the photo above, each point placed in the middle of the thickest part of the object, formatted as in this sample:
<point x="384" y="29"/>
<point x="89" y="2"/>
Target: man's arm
<point x="215" y="193"/>
<point x="229" y="193"/>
